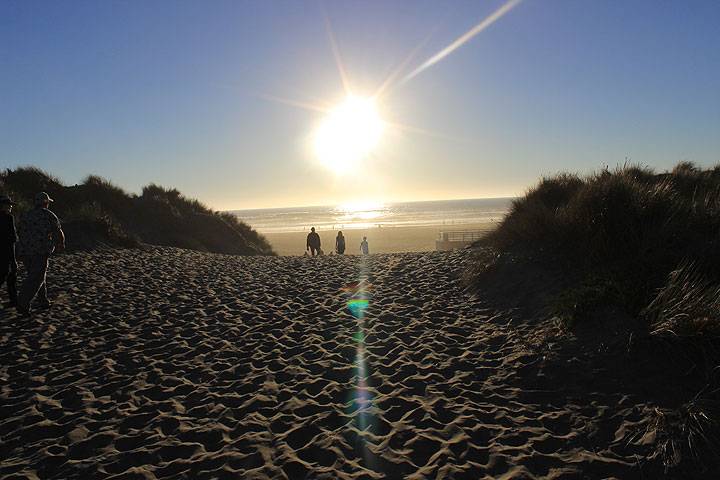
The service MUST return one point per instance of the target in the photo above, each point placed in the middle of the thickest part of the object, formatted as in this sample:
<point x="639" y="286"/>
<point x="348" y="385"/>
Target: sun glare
<point x="348" y="134"/>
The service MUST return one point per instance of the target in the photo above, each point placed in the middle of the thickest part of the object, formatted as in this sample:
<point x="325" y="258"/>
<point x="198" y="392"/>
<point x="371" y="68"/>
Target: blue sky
<point x="177" y="93"/>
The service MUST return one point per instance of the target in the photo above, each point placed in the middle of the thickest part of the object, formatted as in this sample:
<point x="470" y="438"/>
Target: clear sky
<point x="184" y="93"/>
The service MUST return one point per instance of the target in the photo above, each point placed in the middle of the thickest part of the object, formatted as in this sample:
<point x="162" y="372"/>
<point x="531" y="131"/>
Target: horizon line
<point x="383" y="202"/>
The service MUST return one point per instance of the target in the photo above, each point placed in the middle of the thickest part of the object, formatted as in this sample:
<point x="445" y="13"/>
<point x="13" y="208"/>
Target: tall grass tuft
<point x="687" y="305"/>
<point x="687" y="435"/>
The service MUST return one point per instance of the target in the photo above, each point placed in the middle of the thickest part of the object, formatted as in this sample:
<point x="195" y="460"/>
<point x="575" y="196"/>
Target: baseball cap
<point x="5" y="200"/>
<point x="42" y="197"/>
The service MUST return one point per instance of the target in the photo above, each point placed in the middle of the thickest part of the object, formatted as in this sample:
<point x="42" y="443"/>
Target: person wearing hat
<point x="8" y="237"/>
<point x="40" y="234"/>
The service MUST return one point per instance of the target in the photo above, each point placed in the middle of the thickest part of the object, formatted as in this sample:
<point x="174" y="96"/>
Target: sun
<point x="348" y="134"/>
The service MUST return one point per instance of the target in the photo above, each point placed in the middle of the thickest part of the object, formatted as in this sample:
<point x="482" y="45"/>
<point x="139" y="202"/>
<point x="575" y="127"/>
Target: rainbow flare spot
<point x="361" y="400"/>
<point x="358" y="306"/>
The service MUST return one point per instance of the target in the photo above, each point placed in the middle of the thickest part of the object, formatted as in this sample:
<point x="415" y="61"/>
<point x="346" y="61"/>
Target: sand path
<point x="178" y="364"/>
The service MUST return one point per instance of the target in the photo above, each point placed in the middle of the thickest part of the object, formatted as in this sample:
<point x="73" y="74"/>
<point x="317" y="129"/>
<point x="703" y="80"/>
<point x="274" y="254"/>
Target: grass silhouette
<point x="647" y="245"/>
<point x="625" y="230"/>
<point x="98" y="213"/>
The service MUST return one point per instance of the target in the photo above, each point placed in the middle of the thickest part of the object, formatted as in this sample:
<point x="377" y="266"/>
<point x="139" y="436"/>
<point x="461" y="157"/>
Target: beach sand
<point x="381" y="240"/>
<point x="170" y="363"/>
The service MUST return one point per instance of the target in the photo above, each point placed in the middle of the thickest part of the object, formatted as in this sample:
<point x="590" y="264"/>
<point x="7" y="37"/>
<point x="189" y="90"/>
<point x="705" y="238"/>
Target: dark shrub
<point x="99" y="213"/>
<point x="642" y="255"/>
<point x="630" y="226"/>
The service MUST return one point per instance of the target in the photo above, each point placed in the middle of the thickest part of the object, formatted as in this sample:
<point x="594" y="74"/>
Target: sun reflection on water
<point x="360" y="214"/>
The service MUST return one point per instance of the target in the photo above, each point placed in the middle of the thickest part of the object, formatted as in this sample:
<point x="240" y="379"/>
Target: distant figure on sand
<point x="8" y="237"/>
<point x="40" y="235"/>
<point x="340" y="243"/>
<point x="313" y="242"/>
<point x="364" y="248"/>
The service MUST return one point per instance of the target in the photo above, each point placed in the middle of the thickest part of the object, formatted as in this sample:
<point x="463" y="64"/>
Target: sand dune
<point x="177" y="364"/>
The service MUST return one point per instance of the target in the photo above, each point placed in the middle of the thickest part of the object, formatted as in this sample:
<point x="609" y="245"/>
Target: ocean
<point x="363" y="216"/>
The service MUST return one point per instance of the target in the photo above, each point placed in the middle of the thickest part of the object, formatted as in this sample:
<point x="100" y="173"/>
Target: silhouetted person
<point x="364" y="247"/>
<point x="340" y="243"/>
<point x="313" y="242"/>
<point x="40" y="235"/>
<point x="8" y="237"/>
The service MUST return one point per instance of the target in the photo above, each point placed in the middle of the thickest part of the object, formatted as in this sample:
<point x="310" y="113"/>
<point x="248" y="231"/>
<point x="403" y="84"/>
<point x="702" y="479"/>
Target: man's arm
<point x="59" y="240"/>
<point x="12" y="237"/>
<point x="58" y="234"/>
<point x="13" y="259"/>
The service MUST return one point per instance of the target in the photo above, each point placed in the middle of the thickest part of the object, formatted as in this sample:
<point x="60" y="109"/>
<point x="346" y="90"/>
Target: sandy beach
<point x="170" y="363"/>
<point x="381" y="240"/>
<point x="538" y="297"/>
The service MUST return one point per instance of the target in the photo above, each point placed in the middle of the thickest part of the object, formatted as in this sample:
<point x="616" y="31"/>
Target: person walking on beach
<point x="40" y="235"/>
<point x="313" y="242"/>
<point x="364" y="247"/>
<point x="340" y="243"/>
<point x="8" y="237"/>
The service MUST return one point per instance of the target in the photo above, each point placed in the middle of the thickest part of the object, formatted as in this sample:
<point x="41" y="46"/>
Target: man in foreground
<point x="313" y="242"/>
<point x="8" y="237"/>
<point x="40" y="235"/>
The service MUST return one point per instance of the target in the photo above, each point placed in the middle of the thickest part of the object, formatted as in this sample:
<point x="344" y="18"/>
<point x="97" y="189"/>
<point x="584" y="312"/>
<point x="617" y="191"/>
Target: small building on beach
<point x="455" y="239"/>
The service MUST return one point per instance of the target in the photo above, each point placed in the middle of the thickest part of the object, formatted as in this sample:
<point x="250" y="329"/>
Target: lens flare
<point x="464" y="38"/>
<point x="357" y="307"/>
<point x="361" y="401"/>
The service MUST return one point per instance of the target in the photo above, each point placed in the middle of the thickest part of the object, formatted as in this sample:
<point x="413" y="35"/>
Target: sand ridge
<point x="177" y="364"/>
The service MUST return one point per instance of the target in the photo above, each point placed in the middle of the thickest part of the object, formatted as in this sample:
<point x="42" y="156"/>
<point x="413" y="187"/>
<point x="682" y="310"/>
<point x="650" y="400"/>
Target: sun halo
<point x="348" y="134"/>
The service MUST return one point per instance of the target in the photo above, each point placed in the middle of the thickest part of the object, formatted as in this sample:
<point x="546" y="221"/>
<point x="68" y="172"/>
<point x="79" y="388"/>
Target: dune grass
<point x="98" y="213"/>
<point x="625" y="231"/>
<point x="648" y="244"/>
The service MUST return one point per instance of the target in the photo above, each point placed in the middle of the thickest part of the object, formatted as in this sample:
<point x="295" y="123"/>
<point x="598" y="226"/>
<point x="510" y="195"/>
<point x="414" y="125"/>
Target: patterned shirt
<point x="37" y="231"/>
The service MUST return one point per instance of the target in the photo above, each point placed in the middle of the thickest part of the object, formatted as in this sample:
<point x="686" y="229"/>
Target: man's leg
<point x="42" y="297"/>
<point x="5" y="273"/>
<point x="312" y="251"/>
<point x="12" y="286"/>
<point x="36" y="269"/>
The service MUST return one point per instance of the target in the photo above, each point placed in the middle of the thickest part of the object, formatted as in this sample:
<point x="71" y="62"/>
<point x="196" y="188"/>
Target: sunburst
<point x="351" y="130"/>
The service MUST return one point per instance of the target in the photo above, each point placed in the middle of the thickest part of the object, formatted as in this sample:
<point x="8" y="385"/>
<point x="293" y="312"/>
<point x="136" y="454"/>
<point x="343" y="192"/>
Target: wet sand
<point x="177" y="364"/>
<point x="381" y="240"/>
